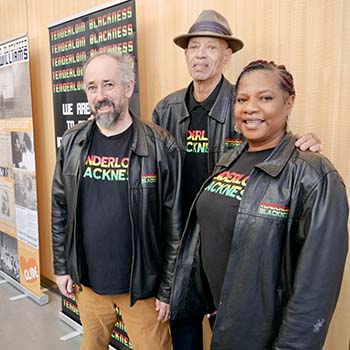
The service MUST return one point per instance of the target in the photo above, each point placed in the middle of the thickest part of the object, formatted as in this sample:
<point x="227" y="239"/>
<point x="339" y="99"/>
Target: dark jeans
<point x="187" y="334"/>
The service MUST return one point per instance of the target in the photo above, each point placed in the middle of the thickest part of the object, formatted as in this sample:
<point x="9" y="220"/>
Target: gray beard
<point x="107" y="120"/>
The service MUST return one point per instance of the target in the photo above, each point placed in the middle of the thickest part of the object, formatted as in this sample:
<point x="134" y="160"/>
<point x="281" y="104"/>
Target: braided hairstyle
<point x="286" y="79"/>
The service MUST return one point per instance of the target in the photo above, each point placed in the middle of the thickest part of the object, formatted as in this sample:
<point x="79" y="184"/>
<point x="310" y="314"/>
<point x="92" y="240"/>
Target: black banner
<point x="72" y="42"/>
<point x="119" y="337"/>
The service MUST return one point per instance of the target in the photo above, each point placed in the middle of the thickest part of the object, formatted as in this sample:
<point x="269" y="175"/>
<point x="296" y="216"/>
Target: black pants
<point x="187" y="334"/>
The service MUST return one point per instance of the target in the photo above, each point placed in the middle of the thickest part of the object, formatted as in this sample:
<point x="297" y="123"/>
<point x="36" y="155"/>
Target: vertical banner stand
<point x="73" y="40"/>
<point x="19" y="233"/>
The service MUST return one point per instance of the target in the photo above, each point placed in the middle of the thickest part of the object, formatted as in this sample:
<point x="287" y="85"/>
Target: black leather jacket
<point x="287" y="256"/>
<point x="172" y="114"/>
<point x="154" y="207"/>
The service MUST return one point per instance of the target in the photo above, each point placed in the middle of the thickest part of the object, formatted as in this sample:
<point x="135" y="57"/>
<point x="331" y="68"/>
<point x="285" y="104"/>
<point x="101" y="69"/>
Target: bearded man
<point x="116" y="219"/>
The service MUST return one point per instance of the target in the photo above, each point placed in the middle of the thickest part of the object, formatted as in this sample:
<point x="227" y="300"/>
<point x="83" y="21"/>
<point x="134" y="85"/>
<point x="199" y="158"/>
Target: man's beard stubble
<point x="108" y="119"/>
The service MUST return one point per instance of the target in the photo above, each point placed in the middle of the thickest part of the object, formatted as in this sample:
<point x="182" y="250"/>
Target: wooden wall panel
<point x="13" y="18"/>
<point x="311" y="37"/>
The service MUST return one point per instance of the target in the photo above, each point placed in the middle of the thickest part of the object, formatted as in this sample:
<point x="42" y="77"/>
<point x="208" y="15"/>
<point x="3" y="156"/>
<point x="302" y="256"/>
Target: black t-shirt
<point x="217" y="209"/>
<point x="104" y="222"/>
<point x="195" y="169"/>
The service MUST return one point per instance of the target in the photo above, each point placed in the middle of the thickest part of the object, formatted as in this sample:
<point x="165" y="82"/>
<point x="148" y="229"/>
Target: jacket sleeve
<point x="323" y="237"/>
<point x="59" y="217"/>
<point x="171" y="217"/>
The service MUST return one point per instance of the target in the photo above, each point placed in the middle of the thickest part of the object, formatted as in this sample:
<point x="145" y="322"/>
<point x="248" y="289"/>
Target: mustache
<point x="103" y="103"/>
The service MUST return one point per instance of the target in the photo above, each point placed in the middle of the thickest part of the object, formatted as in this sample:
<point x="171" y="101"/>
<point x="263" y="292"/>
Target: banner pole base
<point x="70" y="336"/>
<point x="75" y="325"/>
<point x="18" y="297"/>
<point x="41" y="300"/>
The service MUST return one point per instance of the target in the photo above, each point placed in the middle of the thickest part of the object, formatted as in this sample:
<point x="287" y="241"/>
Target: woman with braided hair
<point x="266" y="239"/>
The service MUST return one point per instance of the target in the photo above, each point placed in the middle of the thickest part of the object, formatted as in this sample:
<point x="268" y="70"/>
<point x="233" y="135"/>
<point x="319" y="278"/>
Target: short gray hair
<point x="125" y="64"/>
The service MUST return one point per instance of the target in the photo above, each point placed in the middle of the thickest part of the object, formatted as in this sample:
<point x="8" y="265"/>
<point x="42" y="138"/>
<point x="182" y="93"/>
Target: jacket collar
<point x="184" y="113"/>
<point x="139" y="144"/>
<point x="221" y="104"/>
<point x="272" y="165"/>
<point x="87" y="131"/>
<point x="208" y="103"/>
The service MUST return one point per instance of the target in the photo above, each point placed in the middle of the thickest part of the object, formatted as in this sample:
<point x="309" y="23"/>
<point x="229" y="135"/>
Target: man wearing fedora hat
<point x="202" y="121"/>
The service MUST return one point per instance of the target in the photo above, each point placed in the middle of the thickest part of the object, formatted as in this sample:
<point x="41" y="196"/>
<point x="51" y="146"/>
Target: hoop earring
<point x="237" y="129"/>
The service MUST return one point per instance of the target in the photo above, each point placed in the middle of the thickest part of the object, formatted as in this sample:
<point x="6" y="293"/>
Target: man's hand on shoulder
<point x="308" y="142"/>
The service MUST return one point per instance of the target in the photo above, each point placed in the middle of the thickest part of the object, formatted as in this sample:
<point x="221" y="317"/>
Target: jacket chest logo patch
<point x="232" y="142"/>
<point x="149" y="178"/>
<point x="274" y="210"/>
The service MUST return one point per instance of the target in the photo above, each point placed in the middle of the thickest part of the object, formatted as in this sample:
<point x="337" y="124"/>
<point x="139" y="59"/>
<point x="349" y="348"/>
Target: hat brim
<point x="234" y="43"/>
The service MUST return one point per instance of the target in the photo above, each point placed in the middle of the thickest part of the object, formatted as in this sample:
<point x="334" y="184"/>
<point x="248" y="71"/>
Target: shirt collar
<point x="208" y="103"/>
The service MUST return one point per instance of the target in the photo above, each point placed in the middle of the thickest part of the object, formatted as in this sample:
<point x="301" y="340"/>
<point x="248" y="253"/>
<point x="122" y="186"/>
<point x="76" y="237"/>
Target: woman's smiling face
<point x="262" y="109"/>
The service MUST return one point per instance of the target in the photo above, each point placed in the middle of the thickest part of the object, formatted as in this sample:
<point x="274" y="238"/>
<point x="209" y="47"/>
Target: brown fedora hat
<point x="210" y="23"/>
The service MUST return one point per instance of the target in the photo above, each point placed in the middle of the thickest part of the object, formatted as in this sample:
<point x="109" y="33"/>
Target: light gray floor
<point x="25" y="325"/>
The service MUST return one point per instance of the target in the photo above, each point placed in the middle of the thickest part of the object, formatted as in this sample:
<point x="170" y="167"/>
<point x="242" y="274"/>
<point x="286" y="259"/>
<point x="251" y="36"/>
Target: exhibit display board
<point x="72" y="42"/>
<point x="19" y="236"/>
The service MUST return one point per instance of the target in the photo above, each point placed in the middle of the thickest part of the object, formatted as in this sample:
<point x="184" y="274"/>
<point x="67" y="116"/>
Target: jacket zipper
<point x="82" y="161"/>
<point x="132" y="232"/>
